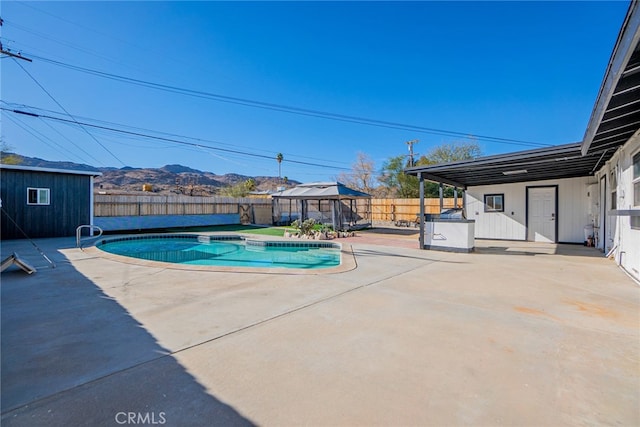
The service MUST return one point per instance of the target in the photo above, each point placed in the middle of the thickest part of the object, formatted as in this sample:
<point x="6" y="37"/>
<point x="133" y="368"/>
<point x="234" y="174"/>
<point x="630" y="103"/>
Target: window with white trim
<point x="38" y="196"/>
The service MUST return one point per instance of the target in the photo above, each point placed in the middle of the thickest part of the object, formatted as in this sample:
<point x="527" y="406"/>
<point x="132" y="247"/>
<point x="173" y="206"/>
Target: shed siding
<point x="511" y="224"/>
<point x="69" y="206"/>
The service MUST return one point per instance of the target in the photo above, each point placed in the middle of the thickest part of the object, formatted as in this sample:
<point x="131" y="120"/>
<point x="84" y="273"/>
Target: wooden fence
<point x="406" y="209"/>
<point x="134" y="205"/>
<point x="137" y="205"/>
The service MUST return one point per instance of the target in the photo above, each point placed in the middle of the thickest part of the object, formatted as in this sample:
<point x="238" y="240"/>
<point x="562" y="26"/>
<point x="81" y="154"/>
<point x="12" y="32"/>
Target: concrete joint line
<point x="232" y="332"/>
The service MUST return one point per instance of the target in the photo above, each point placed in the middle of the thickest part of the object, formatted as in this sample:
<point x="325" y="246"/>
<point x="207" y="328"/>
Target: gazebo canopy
<point x="321" y="191"/>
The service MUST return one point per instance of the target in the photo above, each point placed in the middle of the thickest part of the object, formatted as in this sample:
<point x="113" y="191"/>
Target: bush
<point x="306" y="227"/>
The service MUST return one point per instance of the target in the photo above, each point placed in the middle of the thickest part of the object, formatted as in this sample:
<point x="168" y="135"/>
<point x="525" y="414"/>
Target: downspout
<point x="421" y="238"/>
<point x="599" y="160"/>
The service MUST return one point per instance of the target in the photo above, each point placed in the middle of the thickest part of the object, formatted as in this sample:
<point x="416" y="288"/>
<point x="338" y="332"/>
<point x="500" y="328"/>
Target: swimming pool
<point x="225" y="251"/>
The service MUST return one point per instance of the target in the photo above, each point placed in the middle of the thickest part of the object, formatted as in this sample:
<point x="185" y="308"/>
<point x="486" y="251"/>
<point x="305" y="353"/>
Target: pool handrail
<point x="91" y="227"/>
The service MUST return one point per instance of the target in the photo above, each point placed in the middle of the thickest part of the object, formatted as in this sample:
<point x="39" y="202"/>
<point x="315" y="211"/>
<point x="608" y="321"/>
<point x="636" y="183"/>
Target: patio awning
<point x="615" y="119"/>
<point x="321" y="191"/>
<point x="563" y="161"/>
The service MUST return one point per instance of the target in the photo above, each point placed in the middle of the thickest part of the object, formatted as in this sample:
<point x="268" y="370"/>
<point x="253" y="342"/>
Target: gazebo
<point x="326" y="202"/>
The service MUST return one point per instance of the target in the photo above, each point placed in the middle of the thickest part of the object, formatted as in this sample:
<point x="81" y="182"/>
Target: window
<point x="494" y="202"/>
<point x="636" y="179"/>
<point x="614" y="189"/>
<point x="37" y="196"/>
<point x="635" y="220"/>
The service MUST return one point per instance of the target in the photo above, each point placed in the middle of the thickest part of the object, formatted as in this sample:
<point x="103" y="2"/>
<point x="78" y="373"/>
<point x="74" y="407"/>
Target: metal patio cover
<point x="563" y="161"/>
<point x="615" y="119"/>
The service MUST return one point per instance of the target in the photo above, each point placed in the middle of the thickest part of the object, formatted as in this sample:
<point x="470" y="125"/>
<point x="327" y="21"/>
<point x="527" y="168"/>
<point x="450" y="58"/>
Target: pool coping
<point x="347" y="258"/>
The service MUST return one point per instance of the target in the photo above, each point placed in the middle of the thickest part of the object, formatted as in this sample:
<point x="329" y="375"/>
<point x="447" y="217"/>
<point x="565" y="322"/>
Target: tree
<point x="453" y="152"/>
<point x="279" y="158"/>
<point x="362" y="176"/>
<point x="399" y="184"/>
<point x="241" y="189"/>
<point x="7" y="157"/>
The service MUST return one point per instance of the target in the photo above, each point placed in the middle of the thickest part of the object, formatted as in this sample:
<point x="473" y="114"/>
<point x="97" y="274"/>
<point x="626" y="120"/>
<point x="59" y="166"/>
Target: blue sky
<point x="524" y="71"/>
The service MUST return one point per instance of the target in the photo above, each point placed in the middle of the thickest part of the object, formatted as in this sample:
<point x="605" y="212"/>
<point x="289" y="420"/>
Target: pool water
<point x="225" y="251"/>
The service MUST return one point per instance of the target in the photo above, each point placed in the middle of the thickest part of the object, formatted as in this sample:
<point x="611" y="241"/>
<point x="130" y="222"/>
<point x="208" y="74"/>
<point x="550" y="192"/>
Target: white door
<point x="542" y="214"/>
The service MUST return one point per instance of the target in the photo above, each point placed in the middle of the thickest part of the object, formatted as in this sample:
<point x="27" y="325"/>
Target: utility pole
<point x="7" y="52"/>
<point x="410" y="144"/>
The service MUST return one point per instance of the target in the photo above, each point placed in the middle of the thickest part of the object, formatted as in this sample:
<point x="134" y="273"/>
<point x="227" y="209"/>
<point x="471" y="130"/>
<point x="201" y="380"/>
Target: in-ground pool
<point x="225" y="251"/>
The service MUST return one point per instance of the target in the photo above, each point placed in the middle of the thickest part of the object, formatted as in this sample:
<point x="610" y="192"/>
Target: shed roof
<point x="321" y="191"/>
<point x="50" y="170"/>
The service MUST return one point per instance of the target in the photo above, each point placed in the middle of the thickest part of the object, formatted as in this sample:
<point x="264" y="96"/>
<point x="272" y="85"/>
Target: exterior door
<point x="542" y="214"/>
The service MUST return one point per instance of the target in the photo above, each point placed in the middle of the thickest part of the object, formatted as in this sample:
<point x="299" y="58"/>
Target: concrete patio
<point x="514" y="334"/>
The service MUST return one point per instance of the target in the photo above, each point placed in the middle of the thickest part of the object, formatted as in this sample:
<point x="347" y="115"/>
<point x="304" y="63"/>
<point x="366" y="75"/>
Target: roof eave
<point x="624" y="48"/>
<point x="51" y="170"/>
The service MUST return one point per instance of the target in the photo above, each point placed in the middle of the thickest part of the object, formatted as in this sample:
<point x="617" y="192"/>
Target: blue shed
<point x="44" y="202"/>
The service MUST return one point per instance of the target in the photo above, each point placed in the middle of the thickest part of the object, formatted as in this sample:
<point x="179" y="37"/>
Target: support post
<point x="421" y="219"/>
<point x="441" y="193"/>
<point x="91" y="206"/>
<point x="464" y="203"/>
<point x="455" y="197"/>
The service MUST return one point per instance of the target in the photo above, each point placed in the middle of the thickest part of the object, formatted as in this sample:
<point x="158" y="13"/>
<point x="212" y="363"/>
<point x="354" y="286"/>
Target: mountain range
<point x="176" y="179"/>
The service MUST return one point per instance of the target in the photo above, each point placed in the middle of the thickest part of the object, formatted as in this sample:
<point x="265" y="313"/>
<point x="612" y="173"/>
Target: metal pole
<point x="464" y="203"/>
<point x="441" y="192"/>
<point x="421" y="238"/>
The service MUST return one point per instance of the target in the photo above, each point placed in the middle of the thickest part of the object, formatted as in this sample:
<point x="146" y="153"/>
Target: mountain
<point x="169" y="179"/>
<point x="40" y="163"/>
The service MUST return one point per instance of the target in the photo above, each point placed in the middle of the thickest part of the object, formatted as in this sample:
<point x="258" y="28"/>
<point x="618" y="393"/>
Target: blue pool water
<point x="227" y="251"/>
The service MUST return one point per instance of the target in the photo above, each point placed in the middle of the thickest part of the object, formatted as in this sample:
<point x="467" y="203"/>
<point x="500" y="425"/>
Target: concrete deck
<point x="514" y="334"/>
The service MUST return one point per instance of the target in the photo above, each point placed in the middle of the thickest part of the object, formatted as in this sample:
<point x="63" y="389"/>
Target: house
<point x="574" y="193"/>
<point x="44" y="202"/>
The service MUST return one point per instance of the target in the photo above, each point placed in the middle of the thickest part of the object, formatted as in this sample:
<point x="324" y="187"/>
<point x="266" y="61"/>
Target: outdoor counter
<point x="452" y="235"/>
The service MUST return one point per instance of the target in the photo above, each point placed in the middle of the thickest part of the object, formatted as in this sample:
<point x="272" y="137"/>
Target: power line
<point x="146" y="131"/>
<point x="285" y="108"/>
<point x="159" y="138"/>
<point x="43" y="138"/>
<point x="69" y="114"/>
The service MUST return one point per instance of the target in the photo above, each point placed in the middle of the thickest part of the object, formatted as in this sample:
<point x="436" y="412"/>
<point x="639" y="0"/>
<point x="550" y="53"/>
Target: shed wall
<point x="70" y="204"/>
<point x="511" y="224"/>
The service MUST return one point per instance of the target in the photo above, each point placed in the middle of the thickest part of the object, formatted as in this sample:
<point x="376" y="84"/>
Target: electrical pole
<point x="9" y="53"/>
<point x="410" y="144"/>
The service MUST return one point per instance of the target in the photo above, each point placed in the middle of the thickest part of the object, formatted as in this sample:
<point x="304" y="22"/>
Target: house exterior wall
<point x="572" y="213"/>
<point x="615" y="229"/>
<point x="69" y="203"/>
